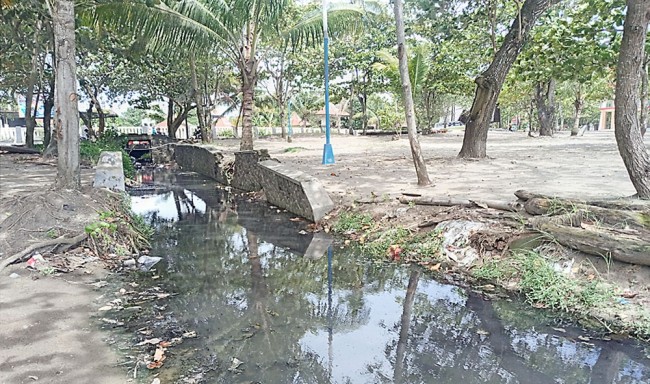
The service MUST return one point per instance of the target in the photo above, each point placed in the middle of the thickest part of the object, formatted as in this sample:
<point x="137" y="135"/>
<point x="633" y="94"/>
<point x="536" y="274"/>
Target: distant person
<point x="84" y="133"/>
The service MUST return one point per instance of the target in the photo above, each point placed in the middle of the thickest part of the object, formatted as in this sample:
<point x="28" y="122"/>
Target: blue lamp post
<point x="328" y="152"/>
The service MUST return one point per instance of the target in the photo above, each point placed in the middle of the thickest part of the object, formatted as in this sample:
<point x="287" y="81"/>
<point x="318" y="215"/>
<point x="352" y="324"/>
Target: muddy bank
<point x="55" y="246"/>
<point x="494" y="251"/>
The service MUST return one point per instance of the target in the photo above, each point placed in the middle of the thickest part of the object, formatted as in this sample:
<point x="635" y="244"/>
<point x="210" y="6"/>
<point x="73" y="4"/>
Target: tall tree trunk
<point x="283" y="119"/>
<point x="48" y="105"/>
<point x="30" y="109"/>
<point x="578" y="104"/>
<point x="364" y="111"/>
<point x="416" y="152"/>
<point x="248" y="94"/>
<point x="643" y="117"/>
<point x="170" y="118"/>
<point x="490" y="82"/>
<point x="198" y="99"/>
<point x="627" y="101"/>
<point x="66" y="98"/>
<point x="545" y="100"/>
<point x="101" y="125"/>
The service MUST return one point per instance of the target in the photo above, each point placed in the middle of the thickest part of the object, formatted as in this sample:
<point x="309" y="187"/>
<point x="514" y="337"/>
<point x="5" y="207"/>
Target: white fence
<point x="16" y="135"/>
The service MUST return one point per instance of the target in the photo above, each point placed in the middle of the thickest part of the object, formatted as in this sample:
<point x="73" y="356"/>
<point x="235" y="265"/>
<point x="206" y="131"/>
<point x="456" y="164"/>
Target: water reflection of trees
<point x="256" y="301"/>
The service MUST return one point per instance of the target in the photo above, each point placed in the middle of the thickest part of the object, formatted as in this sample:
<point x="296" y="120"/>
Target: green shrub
<point x="109" y="141"/>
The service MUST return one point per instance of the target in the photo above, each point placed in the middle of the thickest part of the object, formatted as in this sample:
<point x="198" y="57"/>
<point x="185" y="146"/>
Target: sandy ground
<point x="46" y="332"/>
<point x="585" y="167"/>
<point x="47" y="335"/>
<point x="46" y="327"/>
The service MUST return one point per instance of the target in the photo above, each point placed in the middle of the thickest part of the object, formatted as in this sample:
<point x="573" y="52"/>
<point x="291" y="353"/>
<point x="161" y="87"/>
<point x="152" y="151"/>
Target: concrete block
<point x="294" y="191"/>
<point x="109" y="172"/>
<point x="205" y="162"/>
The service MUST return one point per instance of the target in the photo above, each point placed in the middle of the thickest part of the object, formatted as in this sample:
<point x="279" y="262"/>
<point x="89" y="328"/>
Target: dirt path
<point x="47" y="335"/>
<point x="47" y="332"/>
<point x="585" y="167"/>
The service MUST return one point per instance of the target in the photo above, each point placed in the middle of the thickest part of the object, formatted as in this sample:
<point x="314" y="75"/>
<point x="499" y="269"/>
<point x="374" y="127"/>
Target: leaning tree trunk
<point x="409" y="109"/>
<point x="66" y="98"/>
<point x="249" y="78"/>
<point x="628" y="100"/>
<point x="490" y="82"/>
<point x="545" y="100"/>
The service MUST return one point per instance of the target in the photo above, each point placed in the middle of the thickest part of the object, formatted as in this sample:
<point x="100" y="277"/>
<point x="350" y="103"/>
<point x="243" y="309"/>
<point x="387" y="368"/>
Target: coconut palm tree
<point x="236" y="28"/>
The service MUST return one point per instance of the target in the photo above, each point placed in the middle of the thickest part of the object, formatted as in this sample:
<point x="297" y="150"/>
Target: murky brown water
<point x="255" y="289"/>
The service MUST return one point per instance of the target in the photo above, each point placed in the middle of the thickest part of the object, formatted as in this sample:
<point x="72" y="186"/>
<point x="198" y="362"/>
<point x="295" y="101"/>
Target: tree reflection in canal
<point x="247" y="290"/>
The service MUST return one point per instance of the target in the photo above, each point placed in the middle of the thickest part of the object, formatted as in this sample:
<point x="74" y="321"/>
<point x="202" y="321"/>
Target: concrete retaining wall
<point x="203" y="161"/>
<point x="252" y="171"/>
<point x="294" y="191"/>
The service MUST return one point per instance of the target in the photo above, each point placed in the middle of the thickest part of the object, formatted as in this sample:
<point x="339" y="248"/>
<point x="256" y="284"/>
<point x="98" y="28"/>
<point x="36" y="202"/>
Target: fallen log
<point x="14" y="149"/>
<point x="600" y="241"/>
<point x="499" y="205"/>
<point x="18" y="257"/>
<point x="629" y="204"/>
<point x="618" y="218"/>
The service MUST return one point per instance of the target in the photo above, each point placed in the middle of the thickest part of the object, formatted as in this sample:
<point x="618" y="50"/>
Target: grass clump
<point x="401" y="243"/>
<point x="542" y="285"/>
<point x="293" y="149"/>
<point x="350" y="222"/>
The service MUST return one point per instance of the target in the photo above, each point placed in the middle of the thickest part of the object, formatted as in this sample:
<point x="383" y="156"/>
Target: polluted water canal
<point x="249" y="295"/>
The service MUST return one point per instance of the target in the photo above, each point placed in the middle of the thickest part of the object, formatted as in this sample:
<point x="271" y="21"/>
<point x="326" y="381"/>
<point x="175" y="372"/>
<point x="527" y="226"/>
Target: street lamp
<point x="328" y="152"/>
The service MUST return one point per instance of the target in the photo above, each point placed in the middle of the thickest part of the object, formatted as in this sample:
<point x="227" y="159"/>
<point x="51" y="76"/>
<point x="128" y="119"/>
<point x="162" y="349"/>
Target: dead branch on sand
<point x="18" y="257"/>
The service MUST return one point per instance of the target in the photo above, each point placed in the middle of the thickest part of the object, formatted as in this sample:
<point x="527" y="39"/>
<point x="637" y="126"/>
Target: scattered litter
<point x="189" y="335"/>
<point x="35" y="261"/>
<point x="156" y="381"/>
<point x="14" y="275"/>
<point x="147" y="262"/>
<point x="112" y="321"/>
<point x="158" y="358"/>
<point x="302" y="232"/>
<point x="99" y="284"/>
<point x="234" y="366"/>
<point x="629" y="294"/>
<point x="129" y="263"/>
<point x="105" y="308"/>
<point x="153" y="341"/>
<point x="456" y="243"/>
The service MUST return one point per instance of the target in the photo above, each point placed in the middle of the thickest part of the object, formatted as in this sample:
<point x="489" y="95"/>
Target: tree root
<point x="18" y="257"/>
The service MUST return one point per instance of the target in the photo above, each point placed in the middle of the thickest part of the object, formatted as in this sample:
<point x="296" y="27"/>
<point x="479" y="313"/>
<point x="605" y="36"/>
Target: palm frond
<point x="163" y="28"/>
<point x="213" y="14"/>
<point x="341" y="18"/>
